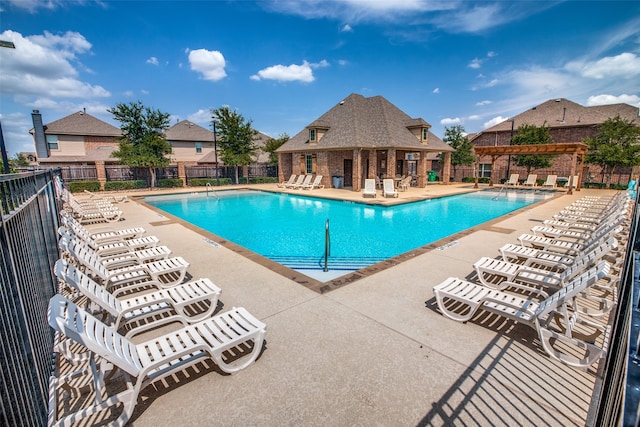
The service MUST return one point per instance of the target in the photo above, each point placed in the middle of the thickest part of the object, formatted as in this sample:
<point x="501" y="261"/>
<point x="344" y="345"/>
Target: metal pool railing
<point x="28" y="245"/>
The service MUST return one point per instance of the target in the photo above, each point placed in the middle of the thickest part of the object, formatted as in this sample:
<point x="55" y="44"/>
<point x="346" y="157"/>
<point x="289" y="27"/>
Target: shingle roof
<point x="259" y="140"/>
<point x="81" y="123"/>
<point x="561" y="112"/>
<point x="188" y="131"/>
<point x="359" y="122"/>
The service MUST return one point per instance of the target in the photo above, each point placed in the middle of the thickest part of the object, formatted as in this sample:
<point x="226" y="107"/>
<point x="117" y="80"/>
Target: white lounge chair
<point x="108" y="198"/>
<point x="570" y="246"/>
<point x="317" y="183"/>
<point x="573" y="181"/>
<point x="531" y="181"/>
<point x="116" y="256"/>
<point x="305" y="182"/>
<point x="148" y="310"/>
<point x="111" y="247"/>
<point x="297" y="183"/>
<point x="500" y="274"/>
<point x="553" y="260"/>
<point x="102" y="235"/>
<point x="158" y="274"/>
<point x="291" y="180"/>
<point x="460" y="300"/>
<point x="512" y="181"/>
<point x="235" y="331"/>
<point x="388" y="189"/>
<point x="369" y="188"/>
<point x="550" y="181"/>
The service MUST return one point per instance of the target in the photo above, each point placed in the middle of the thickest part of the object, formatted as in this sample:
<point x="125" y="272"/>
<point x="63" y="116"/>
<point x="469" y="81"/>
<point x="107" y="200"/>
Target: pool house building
<point x="363" y="138"/>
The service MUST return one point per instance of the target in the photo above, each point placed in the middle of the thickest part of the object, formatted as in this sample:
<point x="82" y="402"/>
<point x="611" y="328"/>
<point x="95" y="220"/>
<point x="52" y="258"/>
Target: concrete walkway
<point x="374" y="352"/>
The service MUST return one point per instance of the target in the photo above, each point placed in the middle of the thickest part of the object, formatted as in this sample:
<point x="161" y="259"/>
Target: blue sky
<point x="283" y="63"/>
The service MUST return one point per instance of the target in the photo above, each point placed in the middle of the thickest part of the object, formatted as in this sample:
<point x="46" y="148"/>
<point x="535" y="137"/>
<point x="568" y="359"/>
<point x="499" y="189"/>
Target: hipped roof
<point x="561" y="112"/>
<point x="367" y="123"/>
<point x="188" y="131"/>
<point x="81" y="123"/>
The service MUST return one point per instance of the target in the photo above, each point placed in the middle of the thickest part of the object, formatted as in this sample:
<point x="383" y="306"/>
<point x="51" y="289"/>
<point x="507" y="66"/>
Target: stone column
<point x="373" y="164"/>
<point x="391" y="163"/>
<point x="356" y="174"/>
<point x="422" y="170"/>
<point x="101" y="173"/>
<point x="182" y="174"/>
<point x="446" y="168"/>
<point x="322" y="162"/>
<point x="281" y="177"/>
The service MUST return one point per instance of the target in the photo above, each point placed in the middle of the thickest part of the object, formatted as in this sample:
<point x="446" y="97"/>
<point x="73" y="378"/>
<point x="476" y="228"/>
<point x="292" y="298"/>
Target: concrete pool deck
<point x="374" y="351"/>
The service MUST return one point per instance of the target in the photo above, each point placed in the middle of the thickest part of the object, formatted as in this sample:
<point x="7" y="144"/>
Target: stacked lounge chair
<point x="127" y="279"/>
<point x="569" y="276"/>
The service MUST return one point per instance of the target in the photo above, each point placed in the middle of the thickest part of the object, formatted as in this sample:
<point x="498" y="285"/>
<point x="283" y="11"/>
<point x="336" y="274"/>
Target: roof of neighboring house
<point x="188" y="131"/>
<point x="100" y="154"/>
<point x="259" y="140"/>
<point x="369" y="123"/>
<point x="558" y="113"/>
<point x="81" y="123"/>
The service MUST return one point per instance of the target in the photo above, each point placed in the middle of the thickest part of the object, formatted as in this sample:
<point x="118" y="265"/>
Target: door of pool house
<point x="348" y="171"/>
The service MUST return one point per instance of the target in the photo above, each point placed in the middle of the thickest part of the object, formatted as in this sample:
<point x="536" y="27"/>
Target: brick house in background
<point x="86" y="142"/>
<point x="568" y="122"/>
<point x="362" y="138"/>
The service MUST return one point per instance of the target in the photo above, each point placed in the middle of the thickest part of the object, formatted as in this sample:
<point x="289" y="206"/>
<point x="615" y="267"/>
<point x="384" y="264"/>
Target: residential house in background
<point x="81" y="140"/>
<point x="362" y="138"/>
<point x="568" y="122"/>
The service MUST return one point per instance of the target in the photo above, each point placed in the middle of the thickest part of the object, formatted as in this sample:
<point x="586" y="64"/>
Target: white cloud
<point x="451" y="121"/>
<point x="209" y="63"/>
<point x="343" y="62"/>
<point x="494" y="121"/>
<point x="436" y="90"/>
<point x="201" y="117"/>
<point x="290" y="73"/>
<point x="475" y="63"/>
<point x="474" y="117"/>
<point x="153" y="60"/>
<point x="483" y="103"/>
<point x="346" y="28"/>
<point x="625" y="65"/>
<point x="611" y="99"/>
<point x="45" y="65"/>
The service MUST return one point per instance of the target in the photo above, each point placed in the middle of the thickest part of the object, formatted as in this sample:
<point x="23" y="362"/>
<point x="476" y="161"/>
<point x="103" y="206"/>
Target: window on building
<point x="312" y="135"/>
<point x="198" y="147"/>
<point x="485" y="170"/>
<point x="309" y="163"/>
<point x="52" y="142"/>
<point x="425" y="134"/>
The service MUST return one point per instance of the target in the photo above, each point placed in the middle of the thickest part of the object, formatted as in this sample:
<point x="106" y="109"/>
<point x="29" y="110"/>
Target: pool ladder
<point x="327" y="246"/>
<point x="210" y="188"/>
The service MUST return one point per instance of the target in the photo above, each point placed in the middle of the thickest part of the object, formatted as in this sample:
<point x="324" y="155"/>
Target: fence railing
<point x="28" y="245"/>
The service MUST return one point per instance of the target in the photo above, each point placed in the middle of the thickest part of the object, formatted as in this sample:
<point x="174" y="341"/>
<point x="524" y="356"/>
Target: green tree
<point x="456" y="137"/>
<point x="532" y="135"/>
<point x="237" y="137"/>
<point x="272" y="145"/>
<point x="143" y="143"/>
<point x="617" y="144"/>
<point x="16" y="161"/>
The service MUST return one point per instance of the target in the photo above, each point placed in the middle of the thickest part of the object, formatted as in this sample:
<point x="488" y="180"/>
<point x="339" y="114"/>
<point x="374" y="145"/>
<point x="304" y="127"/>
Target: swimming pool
<point x="290" y="229"/>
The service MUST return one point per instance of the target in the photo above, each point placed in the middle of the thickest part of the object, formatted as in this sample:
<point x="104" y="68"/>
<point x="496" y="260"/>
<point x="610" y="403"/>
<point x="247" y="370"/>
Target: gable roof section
<point x="368" y="123"/>
<point x="102" y="153"/>
<point x="188" y="131"/>
<point x="81" y="123"/>
<point x="558" y="113"/>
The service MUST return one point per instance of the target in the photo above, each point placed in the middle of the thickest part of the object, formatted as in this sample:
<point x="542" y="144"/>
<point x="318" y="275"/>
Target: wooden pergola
<point x="577" y="149"/>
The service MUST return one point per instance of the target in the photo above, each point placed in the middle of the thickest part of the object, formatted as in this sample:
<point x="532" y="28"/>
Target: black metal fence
<point x="28" y="244"/>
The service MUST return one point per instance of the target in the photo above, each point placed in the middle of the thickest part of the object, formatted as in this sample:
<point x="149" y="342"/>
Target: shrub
<point x="170" y="183"/>
<point x="618" y="186"/>
<point x="481" y="180"/>
<point x="595" y="185"/>
<point x="201" y="182"/>
<point x="125" y="185"/>
<point x="263" y="180"/>
<point x="79" y="186"/>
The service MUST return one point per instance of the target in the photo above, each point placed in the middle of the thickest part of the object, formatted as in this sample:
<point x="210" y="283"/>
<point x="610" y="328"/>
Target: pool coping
<point x="346" y="279"/>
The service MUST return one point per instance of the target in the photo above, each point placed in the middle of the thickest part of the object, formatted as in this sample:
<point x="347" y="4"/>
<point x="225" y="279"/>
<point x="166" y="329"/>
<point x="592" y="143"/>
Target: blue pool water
<point x="290" y="229"/>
